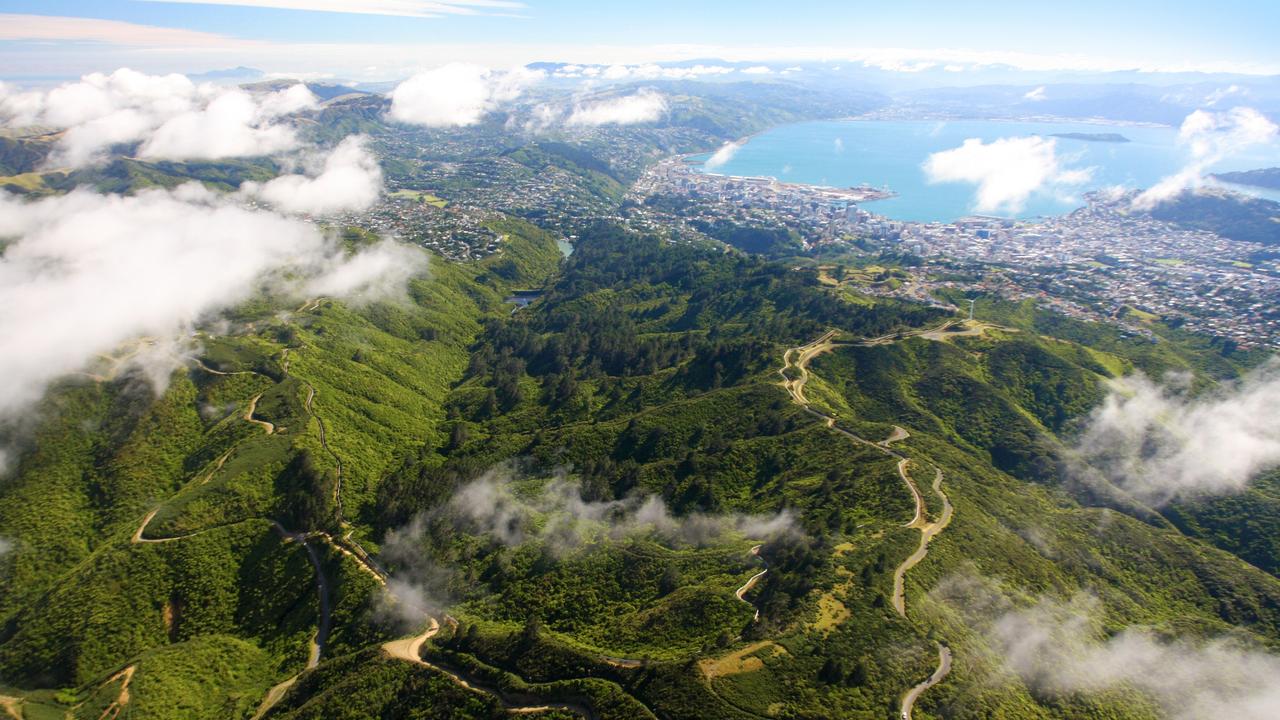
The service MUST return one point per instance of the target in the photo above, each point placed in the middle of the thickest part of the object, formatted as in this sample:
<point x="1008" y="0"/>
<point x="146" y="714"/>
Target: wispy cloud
<point x="1159" y="442"/>
<point x="1059" y="648"/>
<point x="1007" y="171"/>
<point x="722" y="156"/>
<point x="640" y="107"/>
<point x="400" y="8"/>
<point x="349" y="179"/>
<point x="557" y="514"/>
<point x="85" y="273"/>
<point x="1209" y="137"/>
<point x="15" y="26"/>
<point x="1056" y="648"/>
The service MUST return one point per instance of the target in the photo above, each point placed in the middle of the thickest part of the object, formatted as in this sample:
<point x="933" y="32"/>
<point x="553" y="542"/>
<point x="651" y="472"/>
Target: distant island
<point x="1093" y="137"/>
<point x="1264" y="178"/>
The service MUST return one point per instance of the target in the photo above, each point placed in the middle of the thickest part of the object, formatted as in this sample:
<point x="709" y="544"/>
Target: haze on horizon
<point x="390" y="39"/>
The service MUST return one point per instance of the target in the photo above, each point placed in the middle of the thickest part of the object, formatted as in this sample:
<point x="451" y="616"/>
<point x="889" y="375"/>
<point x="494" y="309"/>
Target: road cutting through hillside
<point x="248" y="415"/>
<point x="746" y="587"/>
<point x="928" y="530"/>
<point x="944" y="667"/>
<point x="795" y="375"/>
<point x="410" y="650"/>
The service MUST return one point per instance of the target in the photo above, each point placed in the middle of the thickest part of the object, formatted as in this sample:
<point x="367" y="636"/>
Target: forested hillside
<point x="683" y="482"/>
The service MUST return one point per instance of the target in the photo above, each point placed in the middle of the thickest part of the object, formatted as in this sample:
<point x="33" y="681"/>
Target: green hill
<point x="681" y="483"/>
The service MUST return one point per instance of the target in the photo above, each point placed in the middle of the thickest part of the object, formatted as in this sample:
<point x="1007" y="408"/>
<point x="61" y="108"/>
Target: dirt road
<point x="944" y="667"/>
<point x="746" y="587"/>
<point x="410" y="650"/>
<point x="928" y="530"/>
<point x="795" y="374"/>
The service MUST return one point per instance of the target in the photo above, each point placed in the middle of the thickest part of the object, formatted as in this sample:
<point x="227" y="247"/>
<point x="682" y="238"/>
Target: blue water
<point x="892" y="154"/>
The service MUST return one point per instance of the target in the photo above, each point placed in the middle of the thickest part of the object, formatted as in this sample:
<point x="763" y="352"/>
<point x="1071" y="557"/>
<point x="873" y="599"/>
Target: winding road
<point x="928" y="530"/>
<point x="795" y="374"/>
<point x="944" y="667"/>
<point x="410" y="650"/>
<point x="746" y="587"/>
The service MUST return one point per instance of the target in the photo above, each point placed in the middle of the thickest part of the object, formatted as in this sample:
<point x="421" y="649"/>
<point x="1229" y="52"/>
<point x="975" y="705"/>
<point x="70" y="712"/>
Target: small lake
<point x="892" y="154"/>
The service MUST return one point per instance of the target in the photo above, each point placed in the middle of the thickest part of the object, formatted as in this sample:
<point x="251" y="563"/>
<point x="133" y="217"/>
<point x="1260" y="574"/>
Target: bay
<point x="892" y="154"/>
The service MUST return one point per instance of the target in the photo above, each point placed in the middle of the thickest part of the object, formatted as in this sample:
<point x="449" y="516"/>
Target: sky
<point x="385" y="39"/>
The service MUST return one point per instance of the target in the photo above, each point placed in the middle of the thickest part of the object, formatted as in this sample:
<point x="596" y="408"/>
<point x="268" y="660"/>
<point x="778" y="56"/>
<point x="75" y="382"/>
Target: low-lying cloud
<point x="1160" y="443"/>
<point x="1007" y="171"/>
<point x="558" y="514"/>
<point x="652" y="71"/>
<point x="349" y="179"/>
<point x="1056" y="649"/>
<point x="83" y="274"/>
<point x="172" y="117"/>
<point x="644" y="106"/>
<point x="457" y="94"/>
<point x="1209" y="138"/>
<point x="721" y="157"/>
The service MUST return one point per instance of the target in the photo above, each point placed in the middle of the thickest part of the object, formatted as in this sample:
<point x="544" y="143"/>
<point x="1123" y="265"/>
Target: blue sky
<point x="1166" y="33"/>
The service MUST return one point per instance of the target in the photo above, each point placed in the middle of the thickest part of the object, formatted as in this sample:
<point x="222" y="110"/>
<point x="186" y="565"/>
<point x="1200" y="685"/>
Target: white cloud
<point x="1209" y="138"/>
<point x="1007" y="171"/>
<point x="457" y="94"/>
<point x="84" y="274"/>
<point x="757" y="70"/>
<point x="899" y="64"/>
<point x="653" y="71"/>
<point x="559" y="515"/>
<point x="1057" y="648"/>
<point x="175" y="118"/>
<point x="722" y="156"/>
<point x="376" y="272"/>
<point x="76" y="29"/>
<point x="232" y="125"/>
<point x="163" y="49"/>
<point x="1035" y="95"/>
<point x="1221" y="94"/>
<point x="1158" y="443"/>
<point x="641" y="107"/>
<point x="350" y="179"/>
<point x="401" y="8"/>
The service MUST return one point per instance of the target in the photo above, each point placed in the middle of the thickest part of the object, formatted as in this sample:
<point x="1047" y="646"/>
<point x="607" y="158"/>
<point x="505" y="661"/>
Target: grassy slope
<point x="104" y="453"/>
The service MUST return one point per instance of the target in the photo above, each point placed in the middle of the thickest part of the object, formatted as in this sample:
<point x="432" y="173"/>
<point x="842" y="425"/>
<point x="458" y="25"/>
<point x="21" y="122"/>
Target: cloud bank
<point x="1161" y="444"/>
<point x="1209" y="138"/>
<point x="350" y="179"/>
<point x="641" y="107"/>
<point x="86" y="273"/>
<point x="1007" y="171"/>
<point x="457" y="94"/>
<point x="173" y="117"/>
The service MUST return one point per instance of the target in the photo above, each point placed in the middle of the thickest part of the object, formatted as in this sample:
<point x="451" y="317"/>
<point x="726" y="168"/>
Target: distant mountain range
<point x="1263" y="178"/>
